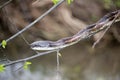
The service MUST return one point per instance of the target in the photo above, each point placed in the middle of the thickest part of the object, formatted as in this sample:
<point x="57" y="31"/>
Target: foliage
<point x="69" y="1"/>
<point x="117" y="3"/>
<point x="4" y="43"/>
<point x="2" y="68"/>
<point x="107" y="3"/>
<point x="56" y="1"/>
<point x="26" y="64"/>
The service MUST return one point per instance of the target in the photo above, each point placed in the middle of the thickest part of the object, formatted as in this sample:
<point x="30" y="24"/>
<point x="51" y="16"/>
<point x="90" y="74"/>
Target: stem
<point x="29" y="58"/>
<point x="5" y="4"/>
<point x="58" y="66"/>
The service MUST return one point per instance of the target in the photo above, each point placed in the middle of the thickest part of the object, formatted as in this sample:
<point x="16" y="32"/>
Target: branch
<point x="103" y="24"/>
<point x="29" y="58"/>
<point x="34" y="22"/>
<point x="107" y="20"/>
<point x="5" y="4"/>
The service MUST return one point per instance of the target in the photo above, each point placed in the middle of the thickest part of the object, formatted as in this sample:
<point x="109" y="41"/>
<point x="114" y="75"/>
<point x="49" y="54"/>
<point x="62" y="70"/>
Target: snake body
<point x="82" y="34"/>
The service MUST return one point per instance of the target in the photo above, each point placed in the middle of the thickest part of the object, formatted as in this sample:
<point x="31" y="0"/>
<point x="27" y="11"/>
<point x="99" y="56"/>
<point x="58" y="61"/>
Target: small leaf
<point x="2" y="68"/>
<point x="4" y="43"/>
<point x="55" y="1"/>
<point x="26" y="64"/>
<point x="69" y="1"/>
<point x="59" y="54"/>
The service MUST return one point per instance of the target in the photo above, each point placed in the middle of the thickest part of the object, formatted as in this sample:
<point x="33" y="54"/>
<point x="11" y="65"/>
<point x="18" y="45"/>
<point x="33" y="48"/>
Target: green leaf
<point x="4" y="43"/>
<point x="55" y="1"/>
<point x="26" y="64"/>
<point x="69" y="1"/>
<point x="2" y="68"/>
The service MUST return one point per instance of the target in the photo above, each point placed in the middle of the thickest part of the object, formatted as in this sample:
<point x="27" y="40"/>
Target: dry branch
<point x="34" y="22"/>
<point x="103" y="24"/>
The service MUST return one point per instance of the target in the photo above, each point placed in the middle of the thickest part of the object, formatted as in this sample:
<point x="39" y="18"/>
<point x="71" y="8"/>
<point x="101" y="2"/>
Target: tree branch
<point x="34" y="22"/>
<point x="29" y="58"/>
<point x="5" y="4"/>
<point x="107" y="20"/>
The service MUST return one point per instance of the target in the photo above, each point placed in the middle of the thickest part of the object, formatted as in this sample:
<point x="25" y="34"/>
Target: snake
<point x="89" y="31"/>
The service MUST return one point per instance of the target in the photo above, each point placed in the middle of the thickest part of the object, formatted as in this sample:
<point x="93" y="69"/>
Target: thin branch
<point x="105" y="31"/>
<point x="29" y="58"/>
<point x="89" y="34"/>
<point x="58" y="76"/>
<point x="5" y="4"/>
<point x="34" y="22"/>
<point x="89" y="31"/>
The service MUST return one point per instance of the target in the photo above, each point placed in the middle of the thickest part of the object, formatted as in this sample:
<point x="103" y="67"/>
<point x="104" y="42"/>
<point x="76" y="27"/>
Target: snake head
<point x="40" y="45"/>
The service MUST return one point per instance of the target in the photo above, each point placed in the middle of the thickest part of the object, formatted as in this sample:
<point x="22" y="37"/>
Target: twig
<point x="58" y="66"/>
<point x="29" y="58"/>
<point x="88" y="32"/>
<point x="105" y="31"/>
<point x="82" y="38"/>
<point x="34" y="22"/>
<point x="5" y="4"/>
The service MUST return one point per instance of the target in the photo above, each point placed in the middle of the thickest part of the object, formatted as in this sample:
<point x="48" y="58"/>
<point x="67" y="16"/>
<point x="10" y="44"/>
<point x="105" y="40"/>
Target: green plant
<point x="4" y="43"/>
<point x="26" y="64"/>
<point x="56" y="1"/>
<point x="2" y="68"/>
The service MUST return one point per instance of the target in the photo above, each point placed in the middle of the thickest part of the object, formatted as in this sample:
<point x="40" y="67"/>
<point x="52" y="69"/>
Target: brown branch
<point x="34" y="22"/>
<point x="107" y="20"/>
<point x="5" y="4"/>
